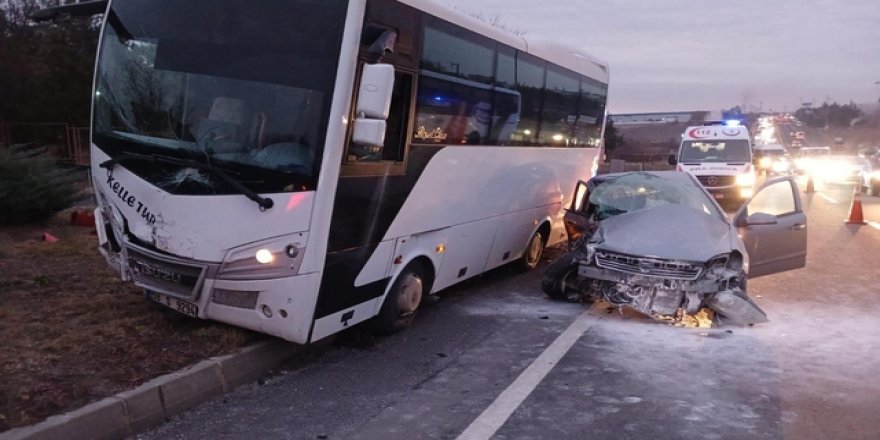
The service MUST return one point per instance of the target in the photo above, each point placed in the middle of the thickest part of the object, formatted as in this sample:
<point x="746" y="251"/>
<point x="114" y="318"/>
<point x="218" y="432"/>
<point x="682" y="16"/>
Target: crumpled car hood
<point x="669" y="232"/>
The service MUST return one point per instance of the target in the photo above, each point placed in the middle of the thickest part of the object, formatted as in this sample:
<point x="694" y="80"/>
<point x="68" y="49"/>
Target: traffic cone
<point x="810" y="187"/>
<point x="855" y="211"/>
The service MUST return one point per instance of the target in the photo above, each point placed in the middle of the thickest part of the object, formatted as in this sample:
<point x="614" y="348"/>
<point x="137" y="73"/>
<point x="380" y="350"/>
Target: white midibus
<point x="297" y="167"/>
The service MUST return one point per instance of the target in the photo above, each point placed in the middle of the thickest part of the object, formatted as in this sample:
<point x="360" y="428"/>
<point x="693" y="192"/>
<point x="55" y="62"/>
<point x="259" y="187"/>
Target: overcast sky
<point x="708" y="55"/>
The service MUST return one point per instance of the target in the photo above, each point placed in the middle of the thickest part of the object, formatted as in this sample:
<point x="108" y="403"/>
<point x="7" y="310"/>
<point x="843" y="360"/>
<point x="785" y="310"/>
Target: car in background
<point x="771" y="159"/>
<point x="870" y="180"/>
<point x="842" y="170"/>
<point x="659" y="243"/>
<point x="809" y="159"/>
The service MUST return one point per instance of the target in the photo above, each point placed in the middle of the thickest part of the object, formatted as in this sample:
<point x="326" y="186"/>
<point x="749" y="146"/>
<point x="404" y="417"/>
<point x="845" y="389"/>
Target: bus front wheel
<point x="402" y="301"/>
<point x="532" y="255"/>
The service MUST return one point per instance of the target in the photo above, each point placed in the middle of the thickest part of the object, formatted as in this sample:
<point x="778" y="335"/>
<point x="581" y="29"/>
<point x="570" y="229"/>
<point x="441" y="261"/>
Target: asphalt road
<point x="495" y="358"/>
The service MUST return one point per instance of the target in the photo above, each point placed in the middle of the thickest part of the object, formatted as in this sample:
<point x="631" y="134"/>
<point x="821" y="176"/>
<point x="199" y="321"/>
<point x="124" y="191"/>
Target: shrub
<point x="32" y="185"/>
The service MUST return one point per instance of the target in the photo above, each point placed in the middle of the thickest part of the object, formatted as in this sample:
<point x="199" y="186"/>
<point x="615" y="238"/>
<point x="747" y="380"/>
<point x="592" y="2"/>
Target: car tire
<point x="532" y="254"/>
<point x="559" y="278"/>
<point x="402" y="301"/>
<point x="875" y="188"/>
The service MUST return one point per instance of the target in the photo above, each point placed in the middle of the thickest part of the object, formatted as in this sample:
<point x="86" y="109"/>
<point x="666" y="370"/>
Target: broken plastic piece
<point x="49" y="238"/>
<point x="737" y="309"/>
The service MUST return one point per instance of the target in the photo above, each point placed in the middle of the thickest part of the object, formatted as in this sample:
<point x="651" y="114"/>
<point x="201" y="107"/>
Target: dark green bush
<point x="32" y="185"/>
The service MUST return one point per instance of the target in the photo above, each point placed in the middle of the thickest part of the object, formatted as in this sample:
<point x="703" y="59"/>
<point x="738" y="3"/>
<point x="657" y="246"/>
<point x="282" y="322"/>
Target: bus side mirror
<point x="374" y="96"/>
<point x="373" y="104"/>
<point x="672" y="160"/>
<point x="369" y="132"/>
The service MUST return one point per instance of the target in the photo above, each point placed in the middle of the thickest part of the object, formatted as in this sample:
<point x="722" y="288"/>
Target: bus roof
<point x="559" y="54"/>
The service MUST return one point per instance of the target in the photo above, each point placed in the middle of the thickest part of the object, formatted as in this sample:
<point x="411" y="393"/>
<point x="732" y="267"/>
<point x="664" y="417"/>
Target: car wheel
<point x="875" y="189"/>
<point x="402" y="301"/>
<point x="561" y="281"/>
<point x="532" y="255"/>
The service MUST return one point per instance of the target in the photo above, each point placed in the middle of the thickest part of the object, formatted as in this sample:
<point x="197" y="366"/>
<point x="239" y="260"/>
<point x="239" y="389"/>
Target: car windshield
<point x="730" y="150"/>
<point x="639" y="191"/>
<point x="241" y="87"/>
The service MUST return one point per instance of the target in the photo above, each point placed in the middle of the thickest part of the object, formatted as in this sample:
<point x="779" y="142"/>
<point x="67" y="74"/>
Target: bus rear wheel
<point x="402" y="301"/>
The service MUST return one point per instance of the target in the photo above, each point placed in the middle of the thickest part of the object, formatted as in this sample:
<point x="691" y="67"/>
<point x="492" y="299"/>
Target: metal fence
<point x="67" y="142"/>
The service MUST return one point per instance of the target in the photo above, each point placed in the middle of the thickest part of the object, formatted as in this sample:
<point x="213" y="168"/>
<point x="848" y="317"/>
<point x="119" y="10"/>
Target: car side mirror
<point x="760" y="218"/>
<point x="672" y="160"/>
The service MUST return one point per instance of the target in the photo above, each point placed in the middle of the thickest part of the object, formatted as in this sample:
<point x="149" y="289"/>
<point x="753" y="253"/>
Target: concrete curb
<point x="154" y="402"/>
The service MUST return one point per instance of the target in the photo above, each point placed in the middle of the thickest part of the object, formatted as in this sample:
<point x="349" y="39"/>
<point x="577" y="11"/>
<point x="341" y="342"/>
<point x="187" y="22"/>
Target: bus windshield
<point x="729" y="150"/>
<point x="242" y="86"/>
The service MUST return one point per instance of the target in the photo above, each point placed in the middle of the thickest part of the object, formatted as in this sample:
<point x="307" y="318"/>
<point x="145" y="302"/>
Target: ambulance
<point x="719" y="155"/>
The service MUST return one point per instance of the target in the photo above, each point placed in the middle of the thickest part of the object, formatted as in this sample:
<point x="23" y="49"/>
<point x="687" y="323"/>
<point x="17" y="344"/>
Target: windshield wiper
<point x="264" y="202"/>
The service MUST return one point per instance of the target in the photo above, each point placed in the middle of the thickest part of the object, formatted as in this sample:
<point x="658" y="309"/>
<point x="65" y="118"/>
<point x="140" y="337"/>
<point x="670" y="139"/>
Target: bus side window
<point x="397" y="132"/>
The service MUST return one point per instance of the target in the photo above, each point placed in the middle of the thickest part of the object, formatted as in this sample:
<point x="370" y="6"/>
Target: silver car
<point x="658" y="242"/>
<point x="870" y="176"/>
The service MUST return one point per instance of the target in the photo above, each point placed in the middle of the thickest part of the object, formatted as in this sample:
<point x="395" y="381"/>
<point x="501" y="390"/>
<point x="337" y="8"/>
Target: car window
<point x="776" y="199"/>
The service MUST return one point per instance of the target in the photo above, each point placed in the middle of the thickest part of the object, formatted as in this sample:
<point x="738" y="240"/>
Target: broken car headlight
<point x="720" y="260"/>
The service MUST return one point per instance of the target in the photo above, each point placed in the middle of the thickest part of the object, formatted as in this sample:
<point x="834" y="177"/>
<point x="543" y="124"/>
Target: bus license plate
<point x="184" y="307"/>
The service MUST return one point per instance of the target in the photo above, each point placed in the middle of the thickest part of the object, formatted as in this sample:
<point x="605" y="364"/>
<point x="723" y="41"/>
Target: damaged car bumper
<point x="666" y="289"/>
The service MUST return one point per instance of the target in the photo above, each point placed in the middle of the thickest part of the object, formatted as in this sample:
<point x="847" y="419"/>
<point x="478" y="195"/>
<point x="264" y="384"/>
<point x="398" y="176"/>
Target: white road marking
<point x="827" y="197"/>
<point x="494" y="416"/>
<point x="874" y="225"/>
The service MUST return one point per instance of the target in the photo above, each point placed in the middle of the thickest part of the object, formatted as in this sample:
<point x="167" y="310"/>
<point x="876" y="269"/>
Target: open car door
<point x="576" y="218"/>
<point x="773" y="228"/>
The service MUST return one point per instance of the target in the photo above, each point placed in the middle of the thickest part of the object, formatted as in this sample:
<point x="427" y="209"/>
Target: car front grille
<point x="652" y="267"/>
<point x="717" y="181"/>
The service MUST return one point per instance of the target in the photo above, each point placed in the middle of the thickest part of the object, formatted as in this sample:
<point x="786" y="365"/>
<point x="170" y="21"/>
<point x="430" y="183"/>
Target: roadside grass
<point x="71" y="332"/>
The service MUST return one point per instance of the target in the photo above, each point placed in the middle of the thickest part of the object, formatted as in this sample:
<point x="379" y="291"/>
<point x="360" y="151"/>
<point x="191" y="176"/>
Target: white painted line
<point x="826" y="197"/>
<point x="874" y="225"/>
<point x="510" y="399"/>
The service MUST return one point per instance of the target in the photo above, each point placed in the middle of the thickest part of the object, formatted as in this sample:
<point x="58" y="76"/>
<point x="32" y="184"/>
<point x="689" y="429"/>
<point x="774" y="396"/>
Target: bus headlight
<point x="265" y="256"/>
<point x="747" y="179"/>
<point x="274" y="258"/>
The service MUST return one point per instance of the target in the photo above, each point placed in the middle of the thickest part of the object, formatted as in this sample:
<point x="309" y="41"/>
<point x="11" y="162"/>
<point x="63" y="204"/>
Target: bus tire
<point x="532" y="254"/>
<point x="402" y="301"/>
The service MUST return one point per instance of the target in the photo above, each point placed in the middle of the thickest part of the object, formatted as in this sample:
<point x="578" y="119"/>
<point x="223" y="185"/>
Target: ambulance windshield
<point x="728" y="150"/>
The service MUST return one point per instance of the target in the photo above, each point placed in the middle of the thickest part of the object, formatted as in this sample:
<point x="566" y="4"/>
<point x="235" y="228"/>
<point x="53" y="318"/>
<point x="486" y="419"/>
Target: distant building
<point x="659" y="118"/>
